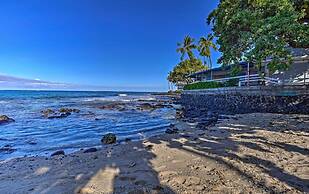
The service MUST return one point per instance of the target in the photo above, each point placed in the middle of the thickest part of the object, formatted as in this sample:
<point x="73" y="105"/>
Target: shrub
<point x="203" y="85"/>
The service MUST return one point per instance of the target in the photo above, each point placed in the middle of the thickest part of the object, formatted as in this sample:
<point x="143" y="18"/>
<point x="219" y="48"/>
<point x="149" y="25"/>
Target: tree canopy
<point x="256" y="30"/>
<point x="186" y="48"/>
<point x="182" y="70"/>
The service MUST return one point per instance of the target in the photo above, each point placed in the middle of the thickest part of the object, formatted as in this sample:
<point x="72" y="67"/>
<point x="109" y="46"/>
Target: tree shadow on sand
<point x="224" y="144"/>
<point x="112" y="169"/>
<point x="244" y="149"/>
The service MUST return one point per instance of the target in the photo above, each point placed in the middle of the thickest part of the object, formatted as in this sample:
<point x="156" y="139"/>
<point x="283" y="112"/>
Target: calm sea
<point x="32" y="134"/>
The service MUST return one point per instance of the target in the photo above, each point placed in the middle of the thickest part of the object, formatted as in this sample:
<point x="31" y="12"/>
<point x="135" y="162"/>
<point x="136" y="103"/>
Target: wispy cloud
<point x="17" y="83"/>
<point x="11" y="82"/>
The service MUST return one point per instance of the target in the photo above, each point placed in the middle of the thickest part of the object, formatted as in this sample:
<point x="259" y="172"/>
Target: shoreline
<point x="258" y="153"/>
<point x="74" y="122"/>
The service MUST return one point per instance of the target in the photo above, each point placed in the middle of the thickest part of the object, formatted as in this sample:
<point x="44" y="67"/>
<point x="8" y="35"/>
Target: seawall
<point x="239" y="100"/>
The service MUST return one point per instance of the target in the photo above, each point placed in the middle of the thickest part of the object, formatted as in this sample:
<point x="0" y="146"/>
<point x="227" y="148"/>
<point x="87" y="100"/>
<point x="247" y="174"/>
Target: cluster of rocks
<point x="145" y="106"/>
<point x="152" y="106"/>
<point x="5" y="119"/>
<point x="109" y="138"/>
<point x="171" y="129"/>
<point x="115" y="106"/>
<point x="7" y="149"/>
<point x="286" y="102"/>
<point x="208" y="120"/>
<point x="61" y="113"/>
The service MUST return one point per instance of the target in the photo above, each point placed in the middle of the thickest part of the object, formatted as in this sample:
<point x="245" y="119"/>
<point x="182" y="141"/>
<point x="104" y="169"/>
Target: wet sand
<point x="250" y="153"/>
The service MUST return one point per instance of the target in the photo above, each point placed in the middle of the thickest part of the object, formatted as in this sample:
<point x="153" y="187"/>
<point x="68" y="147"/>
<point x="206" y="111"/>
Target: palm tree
<point x="186" y="48"/>
<point x="204" y="47"/>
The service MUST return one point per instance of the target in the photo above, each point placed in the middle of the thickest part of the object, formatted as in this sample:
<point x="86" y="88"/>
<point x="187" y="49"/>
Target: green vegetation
<point x="259" y="29"/>
<point x="186" y="48"/>
<point x="204" y="46"/>
<point x="203" y="85"/>
<point x="181" y="71"/>
<point x="213" y="84"/>
<point x="248" y="30"/>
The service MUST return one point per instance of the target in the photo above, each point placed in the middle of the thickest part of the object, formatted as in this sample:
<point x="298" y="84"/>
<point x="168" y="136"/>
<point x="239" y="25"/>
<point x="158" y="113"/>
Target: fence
<point x="256" y="80"/>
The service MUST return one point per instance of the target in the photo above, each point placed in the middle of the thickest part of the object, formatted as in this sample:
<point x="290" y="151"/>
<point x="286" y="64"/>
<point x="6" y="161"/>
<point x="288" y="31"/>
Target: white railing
<point x="253" y="79"/>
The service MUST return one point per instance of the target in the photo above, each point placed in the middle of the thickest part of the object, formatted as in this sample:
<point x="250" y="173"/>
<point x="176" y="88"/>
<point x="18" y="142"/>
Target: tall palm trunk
<point x="210" y="64"/>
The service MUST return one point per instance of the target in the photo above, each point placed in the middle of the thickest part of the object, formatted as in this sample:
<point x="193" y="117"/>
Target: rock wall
<point x="294" y="100"/>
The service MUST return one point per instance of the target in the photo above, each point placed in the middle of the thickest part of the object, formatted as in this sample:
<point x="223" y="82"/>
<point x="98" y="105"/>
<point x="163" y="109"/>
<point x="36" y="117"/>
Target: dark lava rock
<point x="5" y="119"/>
<point x="127" y="139"/>
<point x="62" y="113"/>
<point x="91" y="150"/>
<point x="114" y="106"/>
<point x="171" y="129"/>
<point x="69" y="110"/>
<point x="47" y="112"/>
<point x="59" y="116"/>
<point x="60" y="152"/>
<point x="109" y="138"/>
<point x="146" y="106"/>
<point x="7" y="149"/>
<point x="31" y="142"/>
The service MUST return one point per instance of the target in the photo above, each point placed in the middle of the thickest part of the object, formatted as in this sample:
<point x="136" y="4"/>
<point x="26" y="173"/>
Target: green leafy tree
<point x="186" y="48"/>
<point x="256" y="30"/>
<point x="205" y="45"/>
<point x="180" y="73"/>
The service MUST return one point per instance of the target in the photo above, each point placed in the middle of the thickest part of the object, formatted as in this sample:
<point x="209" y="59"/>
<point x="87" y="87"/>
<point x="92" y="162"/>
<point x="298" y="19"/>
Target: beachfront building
<point x="298" y="73"/>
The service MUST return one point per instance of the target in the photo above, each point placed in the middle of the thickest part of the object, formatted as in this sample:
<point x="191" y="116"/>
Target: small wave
<point x="122" y="95"/>
<point x="109" y="99"/>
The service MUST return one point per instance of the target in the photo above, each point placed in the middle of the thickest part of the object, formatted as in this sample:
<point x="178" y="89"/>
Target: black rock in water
<point x="7" y="149"/>
<point x="109" y="138"/>
<point x="69" y="110"/>
<point x="5" y="119"/>
<point x="60" y="152"/>
<point x="91" y="150"/>
<point x="62" y="113"/>
<point x="172" y="129"/>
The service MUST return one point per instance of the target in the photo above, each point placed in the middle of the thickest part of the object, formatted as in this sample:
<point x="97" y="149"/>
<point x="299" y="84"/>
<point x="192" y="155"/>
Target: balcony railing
<point x="256" y="79"/>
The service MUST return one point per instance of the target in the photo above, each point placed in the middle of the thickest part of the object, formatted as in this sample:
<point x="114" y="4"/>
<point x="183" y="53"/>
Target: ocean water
<point x="33" y="134"/>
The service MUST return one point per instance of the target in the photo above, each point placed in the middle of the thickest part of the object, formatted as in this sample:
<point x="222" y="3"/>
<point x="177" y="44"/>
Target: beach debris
<point x="109" y="138"/>
<point x="171" y="129"/>
<point x="7" y="149"/>
<point x="91" y="150"/>
<point x="57" y="153"/>
<point x="5" y="119"/>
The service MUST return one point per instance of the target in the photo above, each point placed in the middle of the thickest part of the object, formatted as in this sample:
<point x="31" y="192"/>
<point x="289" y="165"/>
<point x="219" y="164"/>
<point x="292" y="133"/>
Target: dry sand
<point x="251" y="153"/>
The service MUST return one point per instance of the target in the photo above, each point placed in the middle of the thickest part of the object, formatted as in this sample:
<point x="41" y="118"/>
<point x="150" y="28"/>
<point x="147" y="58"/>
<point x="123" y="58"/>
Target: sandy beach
<point x="250" y="153"/>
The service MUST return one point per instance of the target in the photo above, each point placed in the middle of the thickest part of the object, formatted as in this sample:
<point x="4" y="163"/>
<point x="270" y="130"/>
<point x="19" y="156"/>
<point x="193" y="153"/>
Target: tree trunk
<point x="210" y="64"/>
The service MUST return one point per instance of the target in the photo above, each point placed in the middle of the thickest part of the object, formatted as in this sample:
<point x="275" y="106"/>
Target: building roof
<point x="296" y="52"/>
<point x="222" y="68"/>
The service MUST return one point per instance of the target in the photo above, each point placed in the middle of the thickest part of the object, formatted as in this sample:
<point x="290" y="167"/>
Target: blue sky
<point x="118" y="44"/>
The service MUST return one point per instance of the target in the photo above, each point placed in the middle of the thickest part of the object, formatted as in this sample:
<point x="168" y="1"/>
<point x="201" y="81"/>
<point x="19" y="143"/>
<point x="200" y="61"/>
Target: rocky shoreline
<point x="249" y="153"/>
<point x="52" y="114"/>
